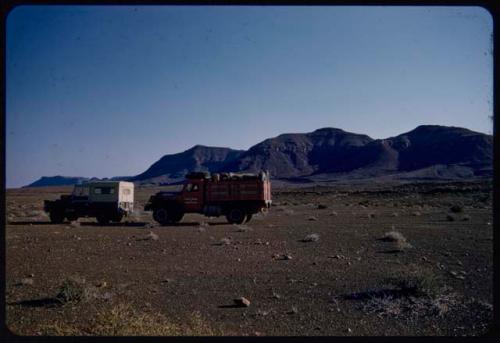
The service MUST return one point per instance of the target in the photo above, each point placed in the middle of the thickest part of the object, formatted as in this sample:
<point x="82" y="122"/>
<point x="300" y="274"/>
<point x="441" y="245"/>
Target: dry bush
<point x="73" y="290"/>
<point x="123" y="320"/>
<point x="415" y="282"/>
<point x="399" y="242"/>
<point x="393" y="236"/>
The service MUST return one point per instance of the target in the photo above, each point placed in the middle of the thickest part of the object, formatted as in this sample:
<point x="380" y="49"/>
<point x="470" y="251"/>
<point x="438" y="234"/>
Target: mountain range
<point x="427" y="152"/>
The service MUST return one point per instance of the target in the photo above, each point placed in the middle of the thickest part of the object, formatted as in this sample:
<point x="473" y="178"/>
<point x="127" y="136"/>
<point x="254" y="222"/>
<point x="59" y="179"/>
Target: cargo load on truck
<point x="237" y="196"/>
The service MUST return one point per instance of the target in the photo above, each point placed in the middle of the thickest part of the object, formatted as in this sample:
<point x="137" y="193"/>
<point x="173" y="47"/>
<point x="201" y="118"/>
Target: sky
<point x="107" y="90"/>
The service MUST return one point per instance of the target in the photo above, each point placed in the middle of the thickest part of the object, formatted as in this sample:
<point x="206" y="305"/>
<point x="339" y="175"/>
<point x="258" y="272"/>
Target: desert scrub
<point x="123" y="320"/>
<point x="415" y="282"/>
<point x="73" y="290"/>
<point x="398" y="241"/>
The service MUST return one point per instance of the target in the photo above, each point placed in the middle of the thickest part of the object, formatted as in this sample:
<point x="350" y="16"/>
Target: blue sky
<point x="107" y="90"/>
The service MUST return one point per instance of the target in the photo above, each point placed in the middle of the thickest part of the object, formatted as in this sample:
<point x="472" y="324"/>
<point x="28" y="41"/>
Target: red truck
<point x="236" y="196"/>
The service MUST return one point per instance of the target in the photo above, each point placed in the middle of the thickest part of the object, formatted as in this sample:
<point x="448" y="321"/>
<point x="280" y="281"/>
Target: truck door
<point x="193" y="196"/>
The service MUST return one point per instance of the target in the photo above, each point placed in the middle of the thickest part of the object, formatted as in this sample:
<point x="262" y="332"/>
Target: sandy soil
<point x="336" y="282"/>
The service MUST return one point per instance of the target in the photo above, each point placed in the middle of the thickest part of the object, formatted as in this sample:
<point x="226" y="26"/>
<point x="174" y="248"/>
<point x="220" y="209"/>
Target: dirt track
<point x="333" y="286"/>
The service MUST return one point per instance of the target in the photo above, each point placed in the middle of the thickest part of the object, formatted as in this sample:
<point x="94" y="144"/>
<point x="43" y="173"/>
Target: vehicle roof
<point x="105" y="183"/>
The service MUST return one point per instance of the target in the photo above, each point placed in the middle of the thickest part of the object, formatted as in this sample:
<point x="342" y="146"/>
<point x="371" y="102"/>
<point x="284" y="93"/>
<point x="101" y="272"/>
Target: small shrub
<point x="398" y="241"/>
<point x="393" y="236"/>
<point x="416" y="214"/>
<point x="313" y="237"/>
<point x="450" y="218"/>
<point x="466" y="218"/>
<point x="322" y="207"/>
<point x="394" y="214"/>
<point x="123" y="320"/>
<point x="456" y="208"/>
<point x="415" y="283"/>
<point x="72" y="290"/>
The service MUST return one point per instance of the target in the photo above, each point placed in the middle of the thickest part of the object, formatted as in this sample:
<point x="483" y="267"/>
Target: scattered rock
<point x="294" y="310"/>
<point x="26" y="281"/>
<point x="225" y="241"/>
<point x="322" y="207"/>
<point x="466" y="218"/>
<point x="333" y="213"/>
<point x="416" y="214"/>
<point x="394" y="214"/>
<point x="313" y="237"/>
<point x="450" y="218"/>
<point x="242" y="302"/>
<point x="312" y="218"/>
<point x="101" y="284"/>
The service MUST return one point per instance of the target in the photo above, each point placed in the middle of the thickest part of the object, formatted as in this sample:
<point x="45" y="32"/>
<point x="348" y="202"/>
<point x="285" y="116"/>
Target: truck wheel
<point x="176" y="217"/>
<point x="102" y="219"/>
<point x="117" y="218"/>
<point x="161" y="216"/>
<point x="72" y="218"/>
<point x="236" y="216"/>
<point x="248" y="217"/>
<point x="56" y="217"/>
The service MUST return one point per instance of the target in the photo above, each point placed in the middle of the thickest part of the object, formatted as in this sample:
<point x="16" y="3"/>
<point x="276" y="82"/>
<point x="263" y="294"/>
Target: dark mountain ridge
<point x="428" y="151"/>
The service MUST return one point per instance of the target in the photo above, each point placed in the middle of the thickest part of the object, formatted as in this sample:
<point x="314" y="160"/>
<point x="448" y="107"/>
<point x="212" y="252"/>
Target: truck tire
<point x="236" y="216"/>
<point x="117" y="218"/>
<point x="102" y="219"/>
<point x="248" y="217"/>
<point x="166" y="216"/>
<point x="56" y="217"/>
<point x="161" y="216"/>
<point x="176" y="216"/>
<point x="72" y="218"/>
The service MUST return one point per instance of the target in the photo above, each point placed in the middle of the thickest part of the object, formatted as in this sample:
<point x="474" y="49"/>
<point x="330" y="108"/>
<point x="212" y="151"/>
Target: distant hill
<point x="198" y="158"/>
<point x="57" y="181"/>
<point x="427" y="152"/>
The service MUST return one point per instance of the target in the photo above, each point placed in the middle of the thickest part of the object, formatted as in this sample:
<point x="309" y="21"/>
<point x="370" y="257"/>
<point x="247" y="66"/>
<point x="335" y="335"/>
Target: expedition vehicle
<point x="236" y="196"/>
<point x="105" y="200"/>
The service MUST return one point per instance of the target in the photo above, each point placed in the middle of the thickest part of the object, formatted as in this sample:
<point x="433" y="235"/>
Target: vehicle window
<point x="104" y="190"/>
<point x="195" y="188"/>
<point x="188" y="187"/>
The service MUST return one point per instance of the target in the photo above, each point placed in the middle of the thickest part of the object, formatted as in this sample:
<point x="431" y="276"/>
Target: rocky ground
<point x="379" y="259"/>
